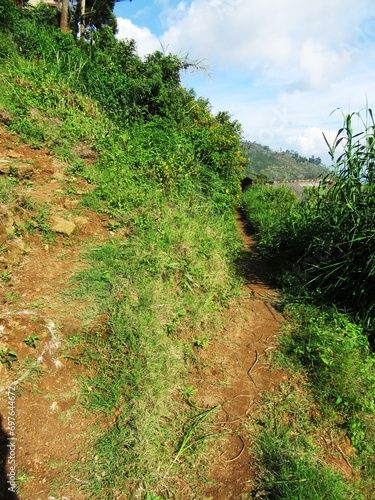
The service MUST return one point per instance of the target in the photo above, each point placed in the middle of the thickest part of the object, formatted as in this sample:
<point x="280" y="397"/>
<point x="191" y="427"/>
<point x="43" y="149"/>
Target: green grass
<point x="290" y="464"/>
<point x="335" y="355"/>
<point x="328" y="402"/>
<point x="161" y="287"/>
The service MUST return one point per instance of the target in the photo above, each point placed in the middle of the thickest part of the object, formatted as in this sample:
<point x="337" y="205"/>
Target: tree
<point x="94" y="14"/>
<point x="64" y="16"/>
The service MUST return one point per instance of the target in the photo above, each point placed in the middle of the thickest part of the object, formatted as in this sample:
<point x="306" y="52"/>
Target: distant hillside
<point x="281" y="165"/>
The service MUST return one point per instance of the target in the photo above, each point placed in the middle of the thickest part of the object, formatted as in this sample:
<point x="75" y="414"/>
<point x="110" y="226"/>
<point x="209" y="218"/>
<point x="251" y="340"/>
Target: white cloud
<point x="310" y="141"/>
<point x="320" y="64"/>
<point x="146" y="41"/>
<point x="285" y="39"/>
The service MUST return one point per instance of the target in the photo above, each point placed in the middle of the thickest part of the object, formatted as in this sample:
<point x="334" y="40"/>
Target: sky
<point x="287" y="70"/>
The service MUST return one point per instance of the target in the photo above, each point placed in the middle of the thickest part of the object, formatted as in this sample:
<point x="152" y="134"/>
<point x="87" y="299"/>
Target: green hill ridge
<point x="271" y="165"/>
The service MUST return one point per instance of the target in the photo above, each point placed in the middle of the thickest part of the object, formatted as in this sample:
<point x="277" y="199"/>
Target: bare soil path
<point x="236" y="374"/>
<point x="34" y="271"/>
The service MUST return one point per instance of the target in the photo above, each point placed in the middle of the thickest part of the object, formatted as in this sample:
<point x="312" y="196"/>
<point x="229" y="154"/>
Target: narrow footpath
<point x="235" y="373"/>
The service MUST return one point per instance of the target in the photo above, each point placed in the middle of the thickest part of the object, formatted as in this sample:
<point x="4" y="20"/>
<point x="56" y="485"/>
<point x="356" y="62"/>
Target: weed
<point x="8" y="357"/>
<point x="22" y="478"/>
<point x="190" y="439"/>
<point x="5" y="276"/>
<point x="188" y="391"/>
<point x="201" y="342"/>
<point x="286" y="446"/>
<point x="12" y="296"/>
<point x="31" y="340"/>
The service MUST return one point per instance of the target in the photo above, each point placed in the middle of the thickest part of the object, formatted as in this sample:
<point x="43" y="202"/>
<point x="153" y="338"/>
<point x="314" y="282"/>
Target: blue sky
<point x="279" y="67"/>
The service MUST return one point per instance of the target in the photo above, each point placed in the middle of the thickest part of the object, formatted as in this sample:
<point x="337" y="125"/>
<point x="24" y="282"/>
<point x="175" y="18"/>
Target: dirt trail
<point x="50" y="431"/>
<point x="236" y="374"/>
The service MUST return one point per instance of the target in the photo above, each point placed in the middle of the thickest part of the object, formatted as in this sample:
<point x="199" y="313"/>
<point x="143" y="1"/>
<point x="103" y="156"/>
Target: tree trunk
<point x="83" y="20"/>
<point x="64" y="16"/>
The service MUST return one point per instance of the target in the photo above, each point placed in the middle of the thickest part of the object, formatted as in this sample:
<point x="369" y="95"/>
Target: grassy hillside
<point x="165" y="171"/>
<point x="280" y="165"/>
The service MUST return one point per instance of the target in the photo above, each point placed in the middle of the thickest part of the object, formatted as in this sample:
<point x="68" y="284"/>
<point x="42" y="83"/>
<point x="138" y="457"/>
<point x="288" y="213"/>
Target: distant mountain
<point x="281" y="165"/>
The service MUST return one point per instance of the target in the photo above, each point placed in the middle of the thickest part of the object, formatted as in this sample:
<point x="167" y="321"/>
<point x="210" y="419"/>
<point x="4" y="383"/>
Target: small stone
<point x="70" y="204"/>
<point x="62" y="226"/>
<point x="13" y="154"/>
<point x="80" y="221"/>
<point x="24" y="170"/>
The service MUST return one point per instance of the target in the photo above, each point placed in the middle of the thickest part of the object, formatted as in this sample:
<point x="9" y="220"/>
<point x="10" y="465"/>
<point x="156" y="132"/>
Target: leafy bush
<point x="335" y="353"/>
<point x="9" y="15"/>
<point x="272" y="214"/>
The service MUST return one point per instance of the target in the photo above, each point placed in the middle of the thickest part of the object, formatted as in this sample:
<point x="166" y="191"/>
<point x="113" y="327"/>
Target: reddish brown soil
<point x="235" y="372"/>
<point x="49" y="426"/>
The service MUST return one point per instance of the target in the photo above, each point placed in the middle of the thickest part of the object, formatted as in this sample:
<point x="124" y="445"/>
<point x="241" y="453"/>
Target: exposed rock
<point x="70" y="204"/>
<point x="4" y="167"/>
<point x="80" y="221"/>
<point x="14" y="154"/>
<point x="85" y="151"/>
<point x="59" y="176"/>
<point x="6" y="219"/>
<point x="62" y="226"/>
<point x="20" y="170"/>
<point x="59" y="169"/>
<point x="19" y="244"/>
<point x="24" y="170"/>
<point x="71" y="326"/>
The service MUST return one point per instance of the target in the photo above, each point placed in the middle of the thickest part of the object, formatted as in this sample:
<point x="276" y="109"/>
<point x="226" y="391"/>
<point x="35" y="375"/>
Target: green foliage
<point x="9" y="15"/>
<point x="290" y="464"/>
<point x="336" y="355"/>
<point x="272" y="214"/>
<point x="99" y="14"/>
<point x="289" y="470"/>
<point x="175" y="138"/>
<point x="8" y="357"/>
<point x="346" y="212"/>
<point x="31" y="340"/>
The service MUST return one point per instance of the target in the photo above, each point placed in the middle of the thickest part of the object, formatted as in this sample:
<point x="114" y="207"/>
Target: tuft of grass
<point x="290" y="449"/>
<point x="289" y="470"/>
<point x="328" y="401"/>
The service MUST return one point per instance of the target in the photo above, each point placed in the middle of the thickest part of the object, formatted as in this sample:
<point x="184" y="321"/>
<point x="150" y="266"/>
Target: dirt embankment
<point x="37" y="319"/>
